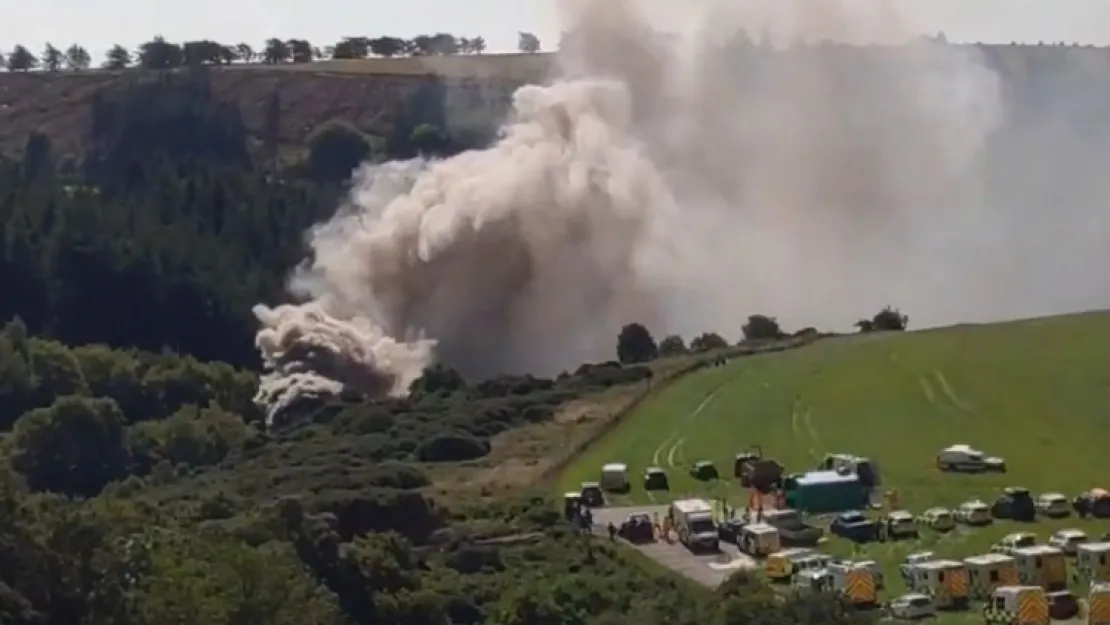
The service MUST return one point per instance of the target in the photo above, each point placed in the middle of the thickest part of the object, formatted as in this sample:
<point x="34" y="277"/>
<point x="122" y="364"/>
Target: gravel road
<point x="709" y="570"/>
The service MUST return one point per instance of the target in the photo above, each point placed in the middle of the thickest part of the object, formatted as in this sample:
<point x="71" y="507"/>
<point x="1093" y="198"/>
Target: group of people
<point x="660" y="528"/>
<point x="582" y="518"/>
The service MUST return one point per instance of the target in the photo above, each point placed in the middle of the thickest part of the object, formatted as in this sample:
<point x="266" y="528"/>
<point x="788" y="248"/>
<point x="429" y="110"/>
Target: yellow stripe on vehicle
<point x="1032" y="608"/>
<point x="1055" y="570"/>
<point x="956" y="583"/>
<point x="1098" y="609"/>
<point x="859" y="587"/>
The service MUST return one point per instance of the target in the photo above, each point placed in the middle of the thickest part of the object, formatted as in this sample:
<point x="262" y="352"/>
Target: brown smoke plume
<point x="682" y="181"/>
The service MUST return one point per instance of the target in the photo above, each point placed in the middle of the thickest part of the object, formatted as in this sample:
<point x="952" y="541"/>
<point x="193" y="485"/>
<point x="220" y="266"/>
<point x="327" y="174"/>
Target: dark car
<point x="854" y="526"/>
<point x="1095" y="503"/>
<point x="655" y="478"/>
<point x="729" y="531"/>
<point x="1062" y="606"/>
<point x="1016" y="504"/>
<point x="592" y="495"/>
<point x="637" y="528"/>
<point x="704" y="470"/>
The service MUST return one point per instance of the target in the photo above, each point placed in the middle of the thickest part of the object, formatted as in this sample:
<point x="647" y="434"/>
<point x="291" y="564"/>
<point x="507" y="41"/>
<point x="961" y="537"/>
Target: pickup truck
<point x="792" y="529"/>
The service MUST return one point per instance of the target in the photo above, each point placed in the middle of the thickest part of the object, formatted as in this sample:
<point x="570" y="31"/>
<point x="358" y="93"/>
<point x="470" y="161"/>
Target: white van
<point x="967" y="459"/>
<point x="614" y="477"/>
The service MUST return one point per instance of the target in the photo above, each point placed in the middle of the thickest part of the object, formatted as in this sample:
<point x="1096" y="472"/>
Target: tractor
<point x="755" y="471"/>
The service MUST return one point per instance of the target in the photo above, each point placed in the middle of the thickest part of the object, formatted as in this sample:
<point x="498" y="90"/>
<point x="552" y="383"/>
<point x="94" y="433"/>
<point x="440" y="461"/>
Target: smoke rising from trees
<point x="689" y="179"/>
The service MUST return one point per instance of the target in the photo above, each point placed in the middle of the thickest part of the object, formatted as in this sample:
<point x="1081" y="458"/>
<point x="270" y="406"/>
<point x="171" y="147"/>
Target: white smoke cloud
<point x="683" y="181"/>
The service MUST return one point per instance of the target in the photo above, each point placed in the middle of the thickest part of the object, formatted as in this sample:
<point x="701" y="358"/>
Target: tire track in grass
<point x="800" y="420"/>
<point x="676" y="441"/>
<point x="927" y="388"/>
<point x="656" y="457"/>
<point x="941" y="401"/>
<point x="674" y="438"/>
<point x="675" y="450"/>
<point x="950" y="394"/>
<point x="801" y="413"/>
<point x="795" y="421"/>
<point x="814" y="437"/>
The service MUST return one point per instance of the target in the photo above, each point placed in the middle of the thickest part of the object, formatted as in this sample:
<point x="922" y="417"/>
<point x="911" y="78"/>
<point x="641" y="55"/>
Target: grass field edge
<point x="551" y="476"/>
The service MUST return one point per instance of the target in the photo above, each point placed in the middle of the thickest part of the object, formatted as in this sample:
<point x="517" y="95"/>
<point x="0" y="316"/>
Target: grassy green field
<point x="1036" y="392"/>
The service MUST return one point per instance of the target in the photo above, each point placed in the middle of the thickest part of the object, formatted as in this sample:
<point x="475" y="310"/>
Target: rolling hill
<point x="366" y="94"/>
<point x="1036" y="392"/>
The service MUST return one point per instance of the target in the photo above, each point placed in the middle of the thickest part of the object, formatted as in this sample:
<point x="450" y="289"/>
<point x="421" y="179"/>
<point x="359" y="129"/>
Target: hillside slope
<point x="366" y="96"/>
<point x="1035" y="392"/>
<point x="367" y="92"/>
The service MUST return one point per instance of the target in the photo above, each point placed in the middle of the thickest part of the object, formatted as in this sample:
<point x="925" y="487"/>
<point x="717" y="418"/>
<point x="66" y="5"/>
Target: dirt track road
<point x="708" y="570"/>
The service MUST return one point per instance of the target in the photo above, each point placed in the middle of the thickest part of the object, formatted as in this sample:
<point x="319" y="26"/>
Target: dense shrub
<point x="762" y="327"/>
<point x="451" y="447"/>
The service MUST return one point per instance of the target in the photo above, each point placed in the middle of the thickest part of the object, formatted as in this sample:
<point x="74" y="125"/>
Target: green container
<point x="823" y="492"/>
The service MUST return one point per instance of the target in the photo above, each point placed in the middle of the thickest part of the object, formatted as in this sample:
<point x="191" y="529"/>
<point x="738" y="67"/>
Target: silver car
<point x="912" y="606"/>
<point x="1067" y="540"/>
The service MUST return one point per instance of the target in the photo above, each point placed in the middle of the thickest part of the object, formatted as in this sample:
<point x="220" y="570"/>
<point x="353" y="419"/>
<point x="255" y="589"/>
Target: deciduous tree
<point x="77" y="58"/>
<point x="528" y="42"/>
<point x="635" y="344"/>
<point x="52" y="58"/>
<point x="20" y="59"/>
<point x="118" y="57"/>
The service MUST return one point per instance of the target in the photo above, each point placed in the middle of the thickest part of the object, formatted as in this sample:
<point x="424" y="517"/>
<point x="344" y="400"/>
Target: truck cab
<point x="693" y="521"/>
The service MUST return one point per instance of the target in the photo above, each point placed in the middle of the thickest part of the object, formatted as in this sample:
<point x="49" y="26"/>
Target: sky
<point x="99" y="25"/>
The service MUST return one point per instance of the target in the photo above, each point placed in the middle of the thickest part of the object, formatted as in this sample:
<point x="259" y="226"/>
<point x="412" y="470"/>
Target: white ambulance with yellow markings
<point x="1092" y="562"/>
<point x="987" y="572"/>
<point x="943" y="580"/>
<point x="1017" y="605"/>
<point x="1041" y="565"/>
<point x="1098" y="604"/>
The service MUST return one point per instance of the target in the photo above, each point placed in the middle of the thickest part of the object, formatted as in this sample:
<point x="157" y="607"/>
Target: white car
<point x="967" y="459"/>
<point x="1053" y="505"/>
<point x="911" y="561"/>
<point x="939" y="519"/>
<point x="1067" y="540"/>
<point x="974" y="513"/>
<point x="912" y="606"/>
<point x="1010" y="542"/>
